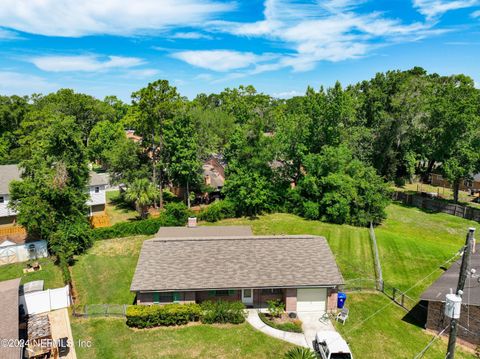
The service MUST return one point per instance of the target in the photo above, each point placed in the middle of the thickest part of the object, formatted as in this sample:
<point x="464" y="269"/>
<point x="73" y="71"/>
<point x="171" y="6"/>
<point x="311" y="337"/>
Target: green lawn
<point x="413" y="243"/>
<point x="50" y="273"/>
<point x="104" y="273"/>
<point x="386" y="335"/>
<point x="111" y="338"/>
<point x="117" y="210"/>
<point x="351" y="245"/>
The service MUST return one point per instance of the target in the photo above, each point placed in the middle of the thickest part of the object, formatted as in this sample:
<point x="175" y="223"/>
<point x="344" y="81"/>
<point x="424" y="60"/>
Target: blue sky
<point x="114" y="47"/>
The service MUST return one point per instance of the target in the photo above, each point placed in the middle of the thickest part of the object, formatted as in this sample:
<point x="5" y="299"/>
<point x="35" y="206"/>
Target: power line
<point x="424" y="350"/>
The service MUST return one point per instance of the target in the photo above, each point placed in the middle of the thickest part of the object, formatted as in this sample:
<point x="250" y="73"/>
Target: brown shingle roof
<point x="9" y="317"/>
<point x="471" y="294"/>
<point x="204" y="231"/>
<point x="169" y="264"/>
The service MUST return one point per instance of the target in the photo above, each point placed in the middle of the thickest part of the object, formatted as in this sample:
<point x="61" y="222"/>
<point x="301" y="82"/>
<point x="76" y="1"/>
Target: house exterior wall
<point x="147" y="298"/>
<point x="96" y="198"/>
<point x="4" y="210"/>
<point x="332" y="296"/>
<point x="437" y="321"/>
<point x="202" y="296"/>
<point x="260" y="299"/>
<point x="290" y="299"/>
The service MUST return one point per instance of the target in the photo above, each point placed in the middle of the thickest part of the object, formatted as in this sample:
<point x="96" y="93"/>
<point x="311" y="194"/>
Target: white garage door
<point x="311" y="299"/>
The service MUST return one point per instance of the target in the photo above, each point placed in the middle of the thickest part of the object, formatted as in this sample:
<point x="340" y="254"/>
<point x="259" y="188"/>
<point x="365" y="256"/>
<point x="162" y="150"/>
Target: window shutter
<point x="176" y="297"/>
<point x="156" y="298"/>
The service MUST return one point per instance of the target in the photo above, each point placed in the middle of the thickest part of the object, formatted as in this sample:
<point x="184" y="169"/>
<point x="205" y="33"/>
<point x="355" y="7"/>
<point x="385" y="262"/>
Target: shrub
<point x="223" y="312"/>
<point x="218" y="210"/>
<point x="142" y="316"/>
<point x="294" y="326"/>
<point x="300" y="353"/>
<point x="175" y="214"/>
<point x="276" y="307"/>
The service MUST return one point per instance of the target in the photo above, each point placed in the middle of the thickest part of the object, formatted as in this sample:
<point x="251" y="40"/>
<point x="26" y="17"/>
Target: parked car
<point x="330" y="345"/>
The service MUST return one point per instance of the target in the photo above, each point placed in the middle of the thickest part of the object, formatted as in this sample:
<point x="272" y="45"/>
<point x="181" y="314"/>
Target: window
<point x="97" y="189"/>
<point x="269" y="291"/>
<point x="2" y="199"/>
<point x="163" y="297"/>
<point x="221" y="293"/>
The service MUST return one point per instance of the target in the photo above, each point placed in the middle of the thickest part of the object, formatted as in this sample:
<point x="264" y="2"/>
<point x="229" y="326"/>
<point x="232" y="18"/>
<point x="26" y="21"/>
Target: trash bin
<point x="342" y="297"/>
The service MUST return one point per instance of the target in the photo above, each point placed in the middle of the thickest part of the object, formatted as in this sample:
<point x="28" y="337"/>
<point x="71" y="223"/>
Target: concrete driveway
<point x="312" y="323"/>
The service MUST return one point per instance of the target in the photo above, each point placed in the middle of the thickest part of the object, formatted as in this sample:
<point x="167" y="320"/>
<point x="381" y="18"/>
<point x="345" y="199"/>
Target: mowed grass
<point x="386" y="334"/>
<point x="350" y="245"/>
<point x="50" y="273"/>
<point x="413" y="244"/>
<point x="112" y="339"/>
<point x="117" y="210"/>
<point x="104" y="273"/>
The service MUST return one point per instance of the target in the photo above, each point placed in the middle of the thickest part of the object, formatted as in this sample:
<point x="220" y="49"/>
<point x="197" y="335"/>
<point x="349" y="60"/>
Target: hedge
<point x="149" y="316"/>
<point x="223" y="312"/>
<point x="218" y="210"/>
<point x="175" y="214"/>
<point x="295" y="326"/>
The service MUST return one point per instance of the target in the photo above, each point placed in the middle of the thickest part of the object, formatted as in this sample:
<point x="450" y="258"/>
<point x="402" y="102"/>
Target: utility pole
<point x="461" y="284"/>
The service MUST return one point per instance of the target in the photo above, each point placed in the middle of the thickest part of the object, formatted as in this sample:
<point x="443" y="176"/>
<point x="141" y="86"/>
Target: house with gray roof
<point x="434" y="296"/>
<point x="9" y="324"/>
<point x="8" y="173"/>
<point x="195" y="264"/>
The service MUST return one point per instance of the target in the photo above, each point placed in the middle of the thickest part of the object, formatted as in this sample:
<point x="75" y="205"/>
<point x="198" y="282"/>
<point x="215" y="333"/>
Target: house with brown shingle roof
<point x="9" y="315"/>
<point x="210" y="263"/>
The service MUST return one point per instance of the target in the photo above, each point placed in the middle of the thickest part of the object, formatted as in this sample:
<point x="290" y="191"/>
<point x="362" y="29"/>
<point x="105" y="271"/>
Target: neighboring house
<point x="469" y="323"/>
<point x="465" y="185"/>
<point x="132" y="136"/>
<point x="209" y="263"/>
<point x="9" y="324"/>
<point x="8" y="173"/>
<point x="213" y="171"/>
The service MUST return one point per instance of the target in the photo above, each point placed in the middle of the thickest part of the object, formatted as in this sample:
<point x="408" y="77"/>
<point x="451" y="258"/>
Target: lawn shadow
<point x="417" y="315"/>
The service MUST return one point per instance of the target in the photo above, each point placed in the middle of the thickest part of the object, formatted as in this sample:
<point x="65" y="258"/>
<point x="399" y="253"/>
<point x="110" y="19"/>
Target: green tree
<point x="51" y="195"/>
<point x="144" y="193"/>
<point x="126" y="162"/>
<point x="156" y="105"/>
<point x="181" y="149"/>
<point x="104" y="137"/>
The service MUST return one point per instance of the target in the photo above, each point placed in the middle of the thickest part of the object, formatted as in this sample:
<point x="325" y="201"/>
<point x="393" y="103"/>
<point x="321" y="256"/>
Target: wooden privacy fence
<point x="100" y="310"/>
<point x="437" y="205"/>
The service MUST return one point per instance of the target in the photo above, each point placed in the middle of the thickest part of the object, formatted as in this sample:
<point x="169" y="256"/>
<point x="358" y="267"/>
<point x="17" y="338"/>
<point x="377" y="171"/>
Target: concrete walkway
<point x="312" y="323"/>
<point x="60" y="327"/>
<point x="256" y="322"/>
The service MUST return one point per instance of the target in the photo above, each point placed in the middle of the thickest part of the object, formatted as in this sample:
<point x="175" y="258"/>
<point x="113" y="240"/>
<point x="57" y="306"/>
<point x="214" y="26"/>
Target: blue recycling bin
<point x="342" y="297"/>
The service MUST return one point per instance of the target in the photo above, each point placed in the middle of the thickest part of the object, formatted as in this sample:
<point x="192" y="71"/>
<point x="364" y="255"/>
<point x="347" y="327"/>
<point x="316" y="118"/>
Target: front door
<point x="247" y="296"/>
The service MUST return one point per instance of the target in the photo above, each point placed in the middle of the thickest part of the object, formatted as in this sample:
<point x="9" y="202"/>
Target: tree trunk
<point x="431" y="163"/>
<point x="161" y="189"/>
<point x="188" y="196"/>
<point x="154" y="164"/>
<point x="456" y="188"/>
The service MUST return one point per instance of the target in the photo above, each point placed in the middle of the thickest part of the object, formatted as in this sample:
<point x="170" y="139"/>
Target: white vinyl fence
<point x="46" y="300"/>
<point x="12" y="253"/>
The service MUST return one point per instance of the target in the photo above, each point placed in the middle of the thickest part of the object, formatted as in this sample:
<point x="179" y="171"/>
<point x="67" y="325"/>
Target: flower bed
<point x="284" y="322"/>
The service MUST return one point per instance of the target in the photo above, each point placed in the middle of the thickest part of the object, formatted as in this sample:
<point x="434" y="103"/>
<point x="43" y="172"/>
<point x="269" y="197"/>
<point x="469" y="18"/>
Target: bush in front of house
<point x="294" y="326"/>
<point x="143" y="316"/>
<point x="217" y="211"/>
<point x="175" y="214"/>
<point x="223" y="312"/>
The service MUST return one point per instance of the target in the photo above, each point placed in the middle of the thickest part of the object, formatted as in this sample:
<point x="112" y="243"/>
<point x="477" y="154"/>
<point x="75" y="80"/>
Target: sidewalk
<point x="294" y="338"/>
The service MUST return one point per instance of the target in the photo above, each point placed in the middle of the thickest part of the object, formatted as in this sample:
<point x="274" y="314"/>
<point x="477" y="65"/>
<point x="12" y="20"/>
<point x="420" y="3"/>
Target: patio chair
<point x="342" y="316"/>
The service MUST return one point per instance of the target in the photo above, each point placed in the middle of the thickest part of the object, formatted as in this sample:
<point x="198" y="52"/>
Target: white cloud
<point x="435" y="8"/>
<point x="191" y="36"/>
<point x="475" y="14"/>
<point x="87" y="63"/>
<point x="73" y="18"/>
<point x="23" y="84"/>
<point x="288" y="94"/>
<point x="141" y="73"/>
<point x="328" y="30"/>
<point x="220" y="60"/>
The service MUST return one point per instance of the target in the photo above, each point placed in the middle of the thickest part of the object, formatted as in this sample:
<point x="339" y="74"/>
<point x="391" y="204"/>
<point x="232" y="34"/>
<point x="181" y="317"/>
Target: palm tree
<point x="143" y="193"/>
<point x="300" y="353"/>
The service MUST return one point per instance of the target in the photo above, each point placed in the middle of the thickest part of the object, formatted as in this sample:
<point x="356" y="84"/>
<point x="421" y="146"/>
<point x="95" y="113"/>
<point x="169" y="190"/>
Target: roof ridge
<point x="223" y="238"/>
